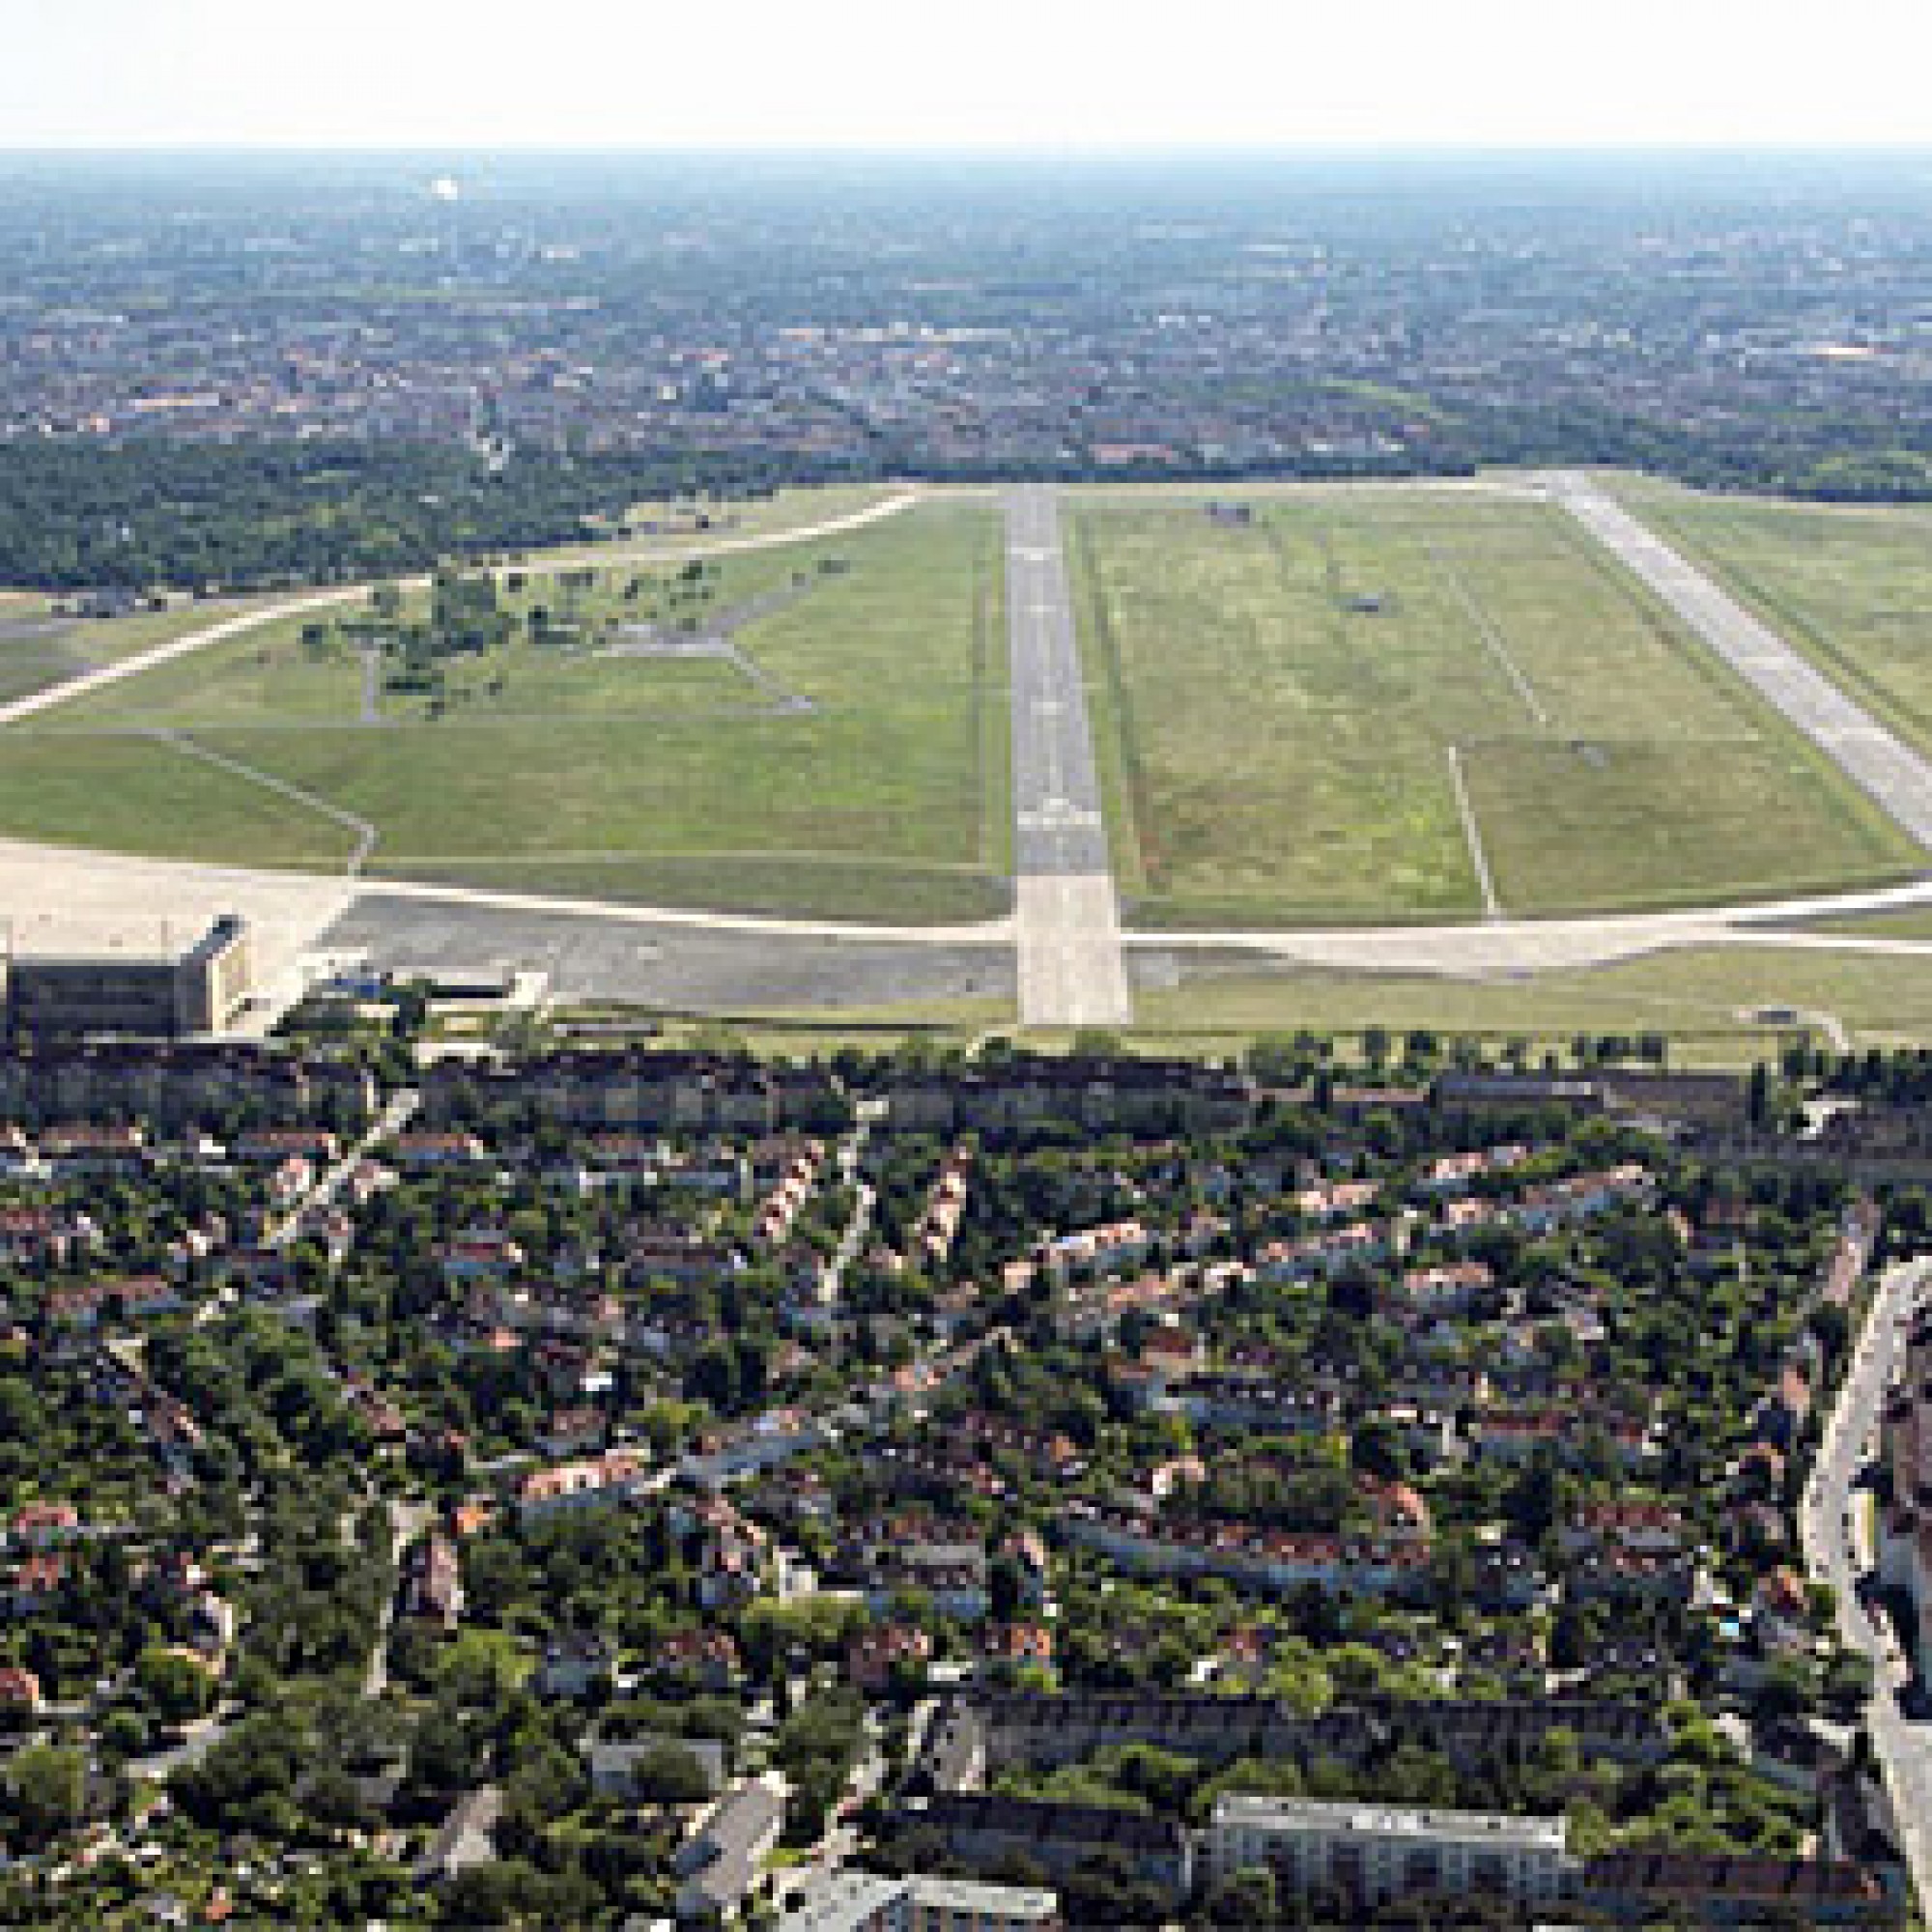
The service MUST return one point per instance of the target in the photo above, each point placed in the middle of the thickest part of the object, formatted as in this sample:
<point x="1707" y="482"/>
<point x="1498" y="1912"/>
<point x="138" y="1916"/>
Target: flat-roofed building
<point x="843" y="1900"/>
<point x="1373" y="1853"/>
<point x="153" y="995"/>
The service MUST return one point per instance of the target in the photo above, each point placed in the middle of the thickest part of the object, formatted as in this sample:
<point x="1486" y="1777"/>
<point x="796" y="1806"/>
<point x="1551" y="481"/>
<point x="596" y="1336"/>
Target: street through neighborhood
<point x="1831" y="1523"/>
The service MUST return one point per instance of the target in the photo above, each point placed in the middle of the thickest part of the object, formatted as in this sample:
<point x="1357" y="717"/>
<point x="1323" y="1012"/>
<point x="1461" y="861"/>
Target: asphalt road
<point x="1071" y="970"/>
<point x="1896" y="777"/>
<point x="1836" y="1556"/>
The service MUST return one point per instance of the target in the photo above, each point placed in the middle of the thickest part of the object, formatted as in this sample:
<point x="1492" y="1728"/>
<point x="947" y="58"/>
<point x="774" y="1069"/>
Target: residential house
<point x="876" y="1658"/>
<point x="613" y="1762"/>
<point x="433" y="1584"/>
<point x="619" y="1475"/>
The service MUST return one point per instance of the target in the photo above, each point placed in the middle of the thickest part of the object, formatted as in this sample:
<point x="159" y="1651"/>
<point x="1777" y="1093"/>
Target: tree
<point x="1247" y="1898"/>
<point x="479" y="1667"/>
<point x="175" y="1682"/>
<point x="334" y="1800"/>
<point x="1832" y="1326"/>
<point x="548" y="1783"/>
<point x="246" y="1781"/>
<point x="46" y="1791"/>
<point x="669" y="1775"/>
<point x="713" y="1375"/>
<point x="513" y="1892"/>
<point x="1006" y="1588"/>
<point x="1537" y="1497"/>
<point x="443" y="1755"/>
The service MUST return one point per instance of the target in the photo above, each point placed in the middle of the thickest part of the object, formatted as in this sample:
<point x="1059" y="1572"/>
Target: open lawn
<point x="1282" y="706"/>
<point x="1701" y="996"/>
<point x="1849" y="586"/>
<point x="137" y="794"/>
<point x="812" y="729"/>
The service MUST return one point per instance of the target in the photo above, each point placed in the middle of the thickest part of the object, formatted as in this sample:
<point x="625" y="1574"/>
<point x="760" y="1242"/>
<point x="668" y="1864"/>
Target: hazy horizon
<point x="596" y="76"/>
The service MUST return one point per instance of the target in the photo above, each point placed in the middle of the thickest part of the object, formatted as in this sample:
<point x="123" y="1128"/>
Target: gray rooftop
<point x="847" y="1901"/>
<point x="1481" y="1829"/>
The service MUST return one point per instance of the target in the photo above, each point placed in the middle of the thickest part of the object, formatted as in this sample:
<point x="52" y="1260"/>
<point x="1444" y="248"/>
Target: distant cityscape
<point x="1766" y="320"/>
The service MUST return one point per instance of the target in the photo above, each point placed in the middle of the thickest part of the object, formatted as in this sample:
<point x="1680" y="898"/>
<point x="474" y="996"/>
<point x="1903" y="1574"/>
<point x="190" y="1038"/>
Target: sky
<point x="1025" y="73"/>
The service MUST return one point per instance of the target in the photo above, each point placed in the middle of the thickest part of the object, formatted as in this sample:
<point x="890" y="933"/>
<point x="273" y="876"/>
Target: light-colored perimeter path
<point x="540" y="565"/>
<point x="1896" y="775"/>
<point x="1071" y="970"/>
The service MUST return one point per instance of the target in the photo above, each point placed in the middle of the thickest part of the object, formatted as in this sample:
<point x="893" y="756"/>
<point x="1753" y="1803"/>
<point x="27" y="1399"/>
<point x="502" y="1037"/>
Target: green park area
<point x="1320" y="705"/>
<point x="817" y="728"/>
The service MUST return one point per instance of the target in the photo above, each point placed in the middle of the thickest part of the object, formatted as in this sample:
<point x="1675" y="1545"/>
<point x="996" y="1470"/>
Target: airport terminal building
<point x="155" y="995"/>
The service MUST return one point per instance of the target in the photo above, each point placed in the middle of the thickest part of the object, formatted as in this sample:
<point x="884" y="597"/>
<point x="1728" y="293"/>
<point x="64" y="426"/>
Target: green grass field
<point x="1701" y="996"/>
<point x="623" y="775"/>
<point x="1850" y="586"/>
<point x="1276" y="705"/>
<point x="135" y="795"/>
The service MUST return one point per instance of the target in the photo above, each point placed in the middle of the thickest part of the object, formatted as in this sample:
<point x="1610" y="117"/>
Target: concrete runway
<point x="1071" y="972"/>
<point x="1896" y="775"/>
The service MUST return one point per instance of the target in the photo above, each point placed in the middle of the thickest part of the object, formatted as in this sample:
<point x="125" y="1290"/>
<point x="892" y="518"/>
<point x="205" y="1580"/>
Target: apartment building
<point x="1372" y="1853"/>
<point x="854" y="1901"/>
